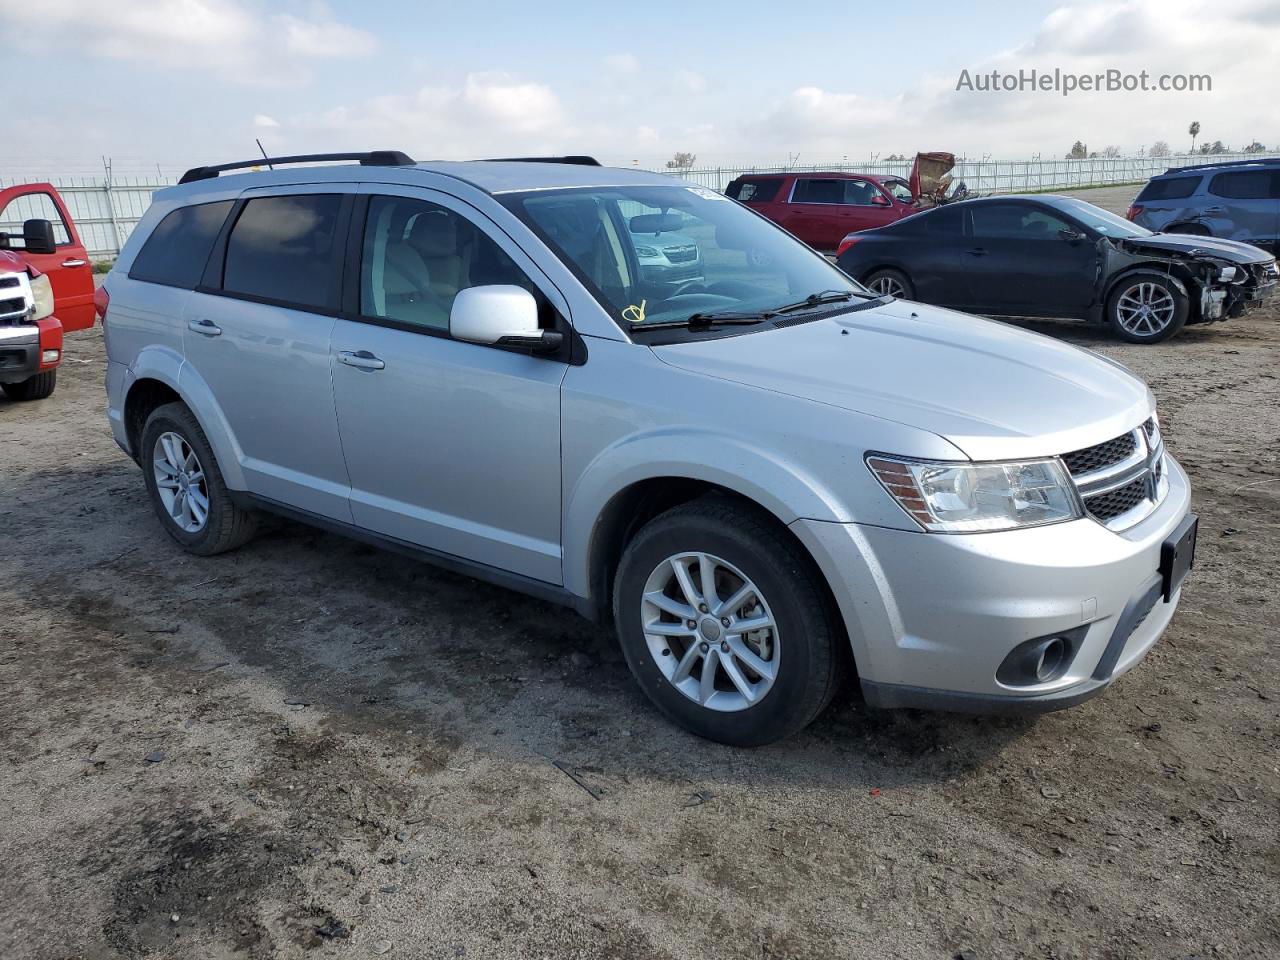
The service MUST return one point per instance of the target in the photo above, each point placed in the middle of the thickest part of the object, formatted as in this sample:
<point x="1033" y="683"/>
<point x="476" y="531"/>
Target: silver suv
<point x="765" y="477"/>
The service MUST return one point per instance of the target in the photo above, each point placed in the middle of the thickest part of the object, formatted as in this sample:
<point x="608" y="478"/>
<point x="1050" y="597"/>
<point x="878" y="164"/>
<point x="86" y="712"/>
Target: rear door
<point x="68" y="267"/>
<point x="257" y="333"/>
<point x="817" y="213"/>
<point x="1246" y="205"/>
<point x="1020" y="264"/>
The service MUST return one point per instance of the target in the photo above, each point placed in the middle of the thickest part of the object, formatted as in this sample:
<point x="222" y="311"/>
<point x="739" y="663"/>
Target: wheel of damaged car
<point x="186" y="486"/>
<point x="1147" y="307"/>
<point x="37" y="387"/>
<point x="723" y="623"/>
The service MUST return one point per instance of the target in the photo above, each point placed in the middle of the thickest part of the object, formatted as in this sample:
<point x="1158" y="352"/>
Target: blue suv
<point x="1239" y="200"/>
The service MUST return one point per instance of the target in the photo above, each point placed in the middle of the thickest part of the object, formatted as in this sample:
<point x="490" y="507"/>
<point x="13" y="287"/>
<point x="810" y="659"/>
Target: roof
<point x="490" y="176"/>
<point x="832" y="175"/>
<point x="1261" y="162"/>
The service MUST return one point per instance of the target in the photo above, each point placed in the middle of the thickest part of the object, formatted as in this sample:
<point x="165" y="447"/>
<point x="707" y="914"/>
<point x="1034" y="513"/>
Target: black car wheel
<point x="888" y="282"/>
<point x="724" y="624"/>
<point x="33" y="388"/>
<point x="186" y="486"/>
<point x="1147" y="307"/>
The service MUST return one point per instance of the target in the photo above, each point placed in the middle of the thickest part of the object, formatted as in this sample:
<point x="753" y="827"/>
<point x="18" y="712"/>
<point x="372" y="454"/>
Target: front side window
<point x="286" y="249"/>
<point x="1243" y="185"/>
<point x="417" y="257"/>
<point x="178" y="248"/>
<point x="1009" y="221"/>
<point x="860" y="193"/>
<point x="34" y="206"/>
<point x="900" y="190"/>
<point x="660" y="254"/>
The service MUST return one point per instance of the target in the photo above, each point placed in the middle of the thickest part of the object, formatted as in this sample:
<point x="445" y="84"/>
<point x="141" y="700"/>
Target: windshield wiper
<point x="700" y="321"/>
<point x="816" y="300"/>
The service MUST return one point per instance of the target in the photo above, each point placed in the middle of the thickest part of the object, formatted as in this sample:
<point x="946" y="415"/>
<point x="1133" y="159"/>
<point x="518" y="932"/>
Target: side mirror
<point x="500" y="315"/>
<point x="37" y="237"/>
<point x="880" y="200"/>
<point x="1071" y="236"/>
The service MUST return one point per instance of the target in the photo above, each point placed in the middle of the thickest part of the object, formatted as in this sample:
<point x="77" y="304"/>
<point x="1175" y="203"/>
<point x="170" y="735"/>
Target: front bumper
<point x="931" y="617"/>
<point x="23" y="349"/>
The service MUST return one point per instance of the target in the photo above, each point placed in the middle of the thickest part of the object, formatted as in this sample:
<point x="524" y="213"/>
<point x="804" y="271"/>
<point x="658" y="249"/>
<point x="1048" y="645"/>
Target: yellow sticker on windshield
<point x="635" y="314"/>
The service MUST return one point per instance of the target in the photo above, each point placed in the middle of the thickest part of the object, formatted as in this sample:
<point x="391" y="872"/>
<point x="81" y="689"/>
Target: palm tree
<point x="1194" y="130"/>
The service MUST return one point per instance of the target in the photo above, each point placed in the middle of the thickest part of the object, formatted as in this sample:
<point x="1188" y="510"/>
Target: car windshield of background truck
<point x="661" y="254"/>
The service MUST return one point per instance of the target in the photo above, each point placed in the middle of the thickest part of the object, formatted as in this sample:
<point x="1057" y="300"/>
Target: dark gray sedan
<point x="1051" y="256"/>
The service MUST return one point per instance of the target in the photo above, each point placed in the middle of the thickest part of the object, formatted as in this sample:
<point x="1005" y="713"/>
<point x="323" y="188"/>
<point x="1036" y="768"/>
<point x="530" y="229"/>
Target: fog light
<point x="1040" y="660"/>
<point x="49" y="356"/>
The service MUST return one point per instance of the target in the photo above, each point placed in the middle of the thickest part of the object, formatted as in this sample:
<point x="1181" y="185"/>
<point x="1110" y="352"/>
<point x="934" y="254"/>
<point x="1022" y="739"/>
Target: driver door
<point x="452" y="446"/>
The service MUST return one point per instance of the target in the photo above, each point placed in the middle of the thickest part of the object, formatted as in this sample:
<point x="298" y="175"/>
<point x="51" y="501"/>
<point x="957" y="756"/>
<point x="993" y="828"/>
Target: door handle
<point x="977" y="252"/>
<point x="74" y="263"/>
<point x="1213" y="210"/>
<point x="206" y="328"/>
<point x="361" y="360"/>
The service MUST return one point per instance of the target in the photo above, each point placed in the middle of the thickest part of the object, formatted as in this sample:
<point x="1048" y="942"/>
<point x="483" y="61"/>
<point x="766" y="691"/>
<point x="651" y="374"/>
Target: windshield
<point x="1095" y="218"/>
<point x="663" y="254"/>
<point x="900" y="189"/>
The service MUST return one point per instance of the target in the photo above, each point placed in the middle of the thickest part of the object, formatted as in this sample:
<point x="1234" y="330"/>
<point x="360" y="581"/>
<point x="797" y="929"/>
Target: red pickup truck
<point x="46" y="288"/>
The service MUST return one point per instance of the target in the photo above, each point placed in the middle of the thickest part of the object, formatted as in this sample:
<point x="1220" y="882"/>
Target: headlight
<point x="646" y="252"/>
<point x="979" y="497"/>
<point x="42" y="293"/>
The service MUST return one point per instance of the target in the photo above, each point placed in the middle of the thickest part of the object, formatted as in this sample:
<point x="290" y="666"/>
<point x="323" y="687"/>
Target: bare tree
<point x="682" y="161"/>
<point x="1111" y="151"/>
<point x="1215" y="147"/>
<point x="1159" y="149"/>
<point x="1255" y="147"/>
<point x="1194" y="130"/>
<point x="1078" y="151"/>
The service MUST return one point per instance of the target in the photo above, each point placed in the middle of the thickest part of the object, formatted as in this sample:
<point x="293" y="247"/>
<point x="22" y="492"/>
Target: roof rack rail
<point x="371" y="158"/>
<point x="578" y="160"/>
<point x="1222" y="163"/>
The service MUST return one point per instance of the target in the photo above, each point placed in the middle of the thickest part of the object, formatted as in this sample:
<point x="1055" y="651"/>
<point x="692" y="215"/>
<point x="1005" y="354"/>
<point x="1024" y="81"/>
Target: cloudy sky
<point x="179" y="82"/>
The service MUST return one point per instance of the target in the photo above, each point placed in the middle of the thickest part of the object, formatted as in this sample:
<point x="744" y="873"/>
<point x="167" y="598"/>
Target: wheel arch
<point x="164" y="378"/>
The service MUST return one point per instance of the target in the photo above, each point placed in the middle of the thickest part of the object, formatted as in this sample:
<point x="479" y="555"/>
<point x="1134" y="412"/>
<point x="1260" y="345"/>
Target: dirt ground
<point x="311" y="748"/>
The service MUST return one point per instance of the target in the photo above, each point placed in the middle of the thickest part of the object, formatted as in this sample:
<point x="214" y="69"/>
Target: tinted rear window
<point x="1174" y="188"/>
<point x="284" y="249"/>
<point x="945" y="221"/>
<point x="754" y="191"/>
<point x="176" y="251"/>
<point x="1244" y="185"/>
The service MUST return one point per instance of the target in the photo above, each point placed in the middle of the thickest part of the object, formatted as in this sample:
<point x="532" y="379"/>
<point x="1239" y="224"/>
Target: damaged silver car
<point x="1049" y="256"/>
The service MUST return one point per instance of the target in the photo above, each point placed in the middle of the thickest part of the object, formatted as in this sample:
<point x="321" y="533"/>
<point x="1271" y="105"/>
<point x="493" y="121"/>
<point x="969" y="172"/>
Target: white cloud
<point x="265" y="122"/>
<point x="691" y="81"/>
<point x="231" y="38"/>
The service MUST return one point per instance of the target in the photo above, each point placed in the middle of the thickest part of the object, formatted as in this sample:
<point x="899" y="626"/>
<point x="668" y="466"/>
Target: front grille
<point x="681" y="254"/>
<point x="8" y="282"/>
<point x="14" y="307"/>
<point x="1102" y="455"/>
<point x="1108" y="506"/>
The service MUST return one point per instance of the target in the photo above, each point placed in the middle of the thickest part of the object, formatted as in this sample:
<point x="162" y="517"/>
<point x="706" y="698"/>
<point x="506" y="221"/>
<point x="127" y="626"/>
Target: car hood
<point x="992" y="390"/>
<point x="1189" y="244"/>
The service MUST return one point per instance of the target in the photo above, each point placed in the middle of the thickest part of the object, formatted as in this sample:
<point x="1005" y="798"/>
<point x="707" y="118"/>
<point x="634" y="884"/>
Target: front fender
<point x="727" y="461"/>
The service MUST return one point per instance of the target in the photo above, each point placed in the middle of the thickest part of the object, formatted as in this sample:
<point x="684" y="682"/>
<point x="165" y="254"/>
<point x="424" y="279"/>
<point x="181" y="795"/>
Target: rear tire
<point x="890" y="282"/>
<point x="1147" y="307"/>
<point x="766" y="682"/>
<point x="33" y="388"/>
<point x="176" y="460"/>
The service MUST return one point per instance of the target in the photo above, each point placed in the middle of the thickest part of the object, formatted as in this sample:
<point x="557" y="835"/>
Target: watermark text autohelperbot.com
<point x="1066" y="83"/>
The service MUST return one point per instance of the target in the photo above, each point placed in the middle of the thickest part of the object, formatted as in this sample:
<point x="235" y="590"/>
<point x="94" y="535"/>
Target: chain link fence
<point x="106" y="211"/>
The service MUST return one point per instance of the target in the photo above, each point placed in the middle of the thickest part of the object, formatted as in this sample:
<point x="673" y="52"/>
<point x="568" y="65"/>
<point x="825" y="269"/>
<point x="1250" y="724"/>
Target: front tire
<point x="36" y="387"/>
<point x="186" y="486"/>
<point x="761" y="659"/>
<point x="1147" y="307"/>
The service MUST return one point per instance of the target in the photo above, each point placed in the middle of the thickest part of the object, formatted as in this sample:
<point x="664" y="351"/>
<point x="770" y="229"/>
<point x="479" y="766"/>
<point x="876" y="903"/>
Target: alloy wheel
<point x="1145" y="309"/>
<point x="710" y="631"/>
<point x="180" y="482"/>
<point x="888" y="286"/>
